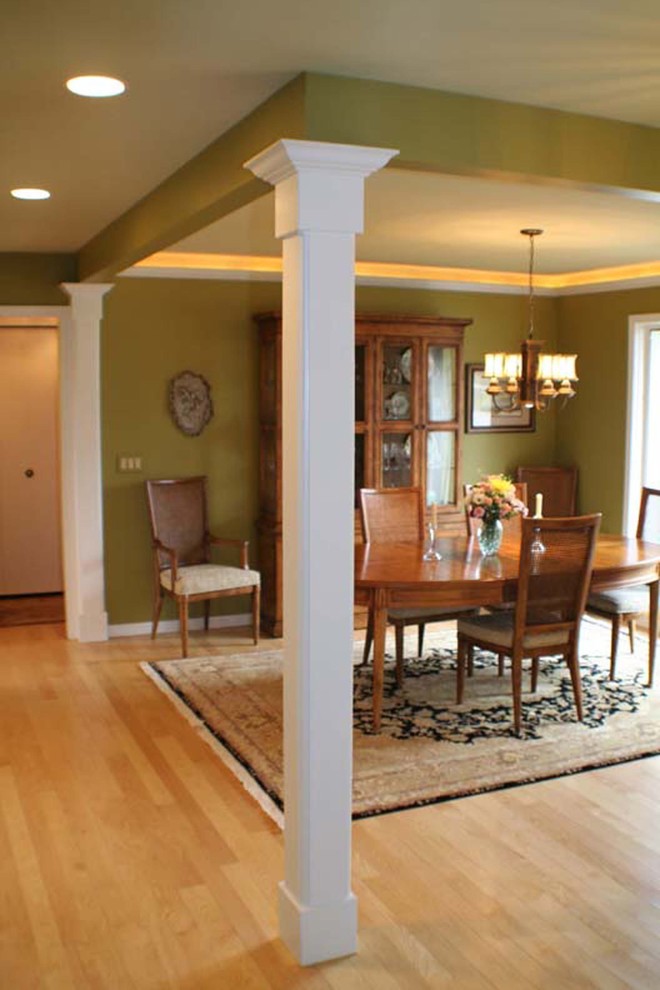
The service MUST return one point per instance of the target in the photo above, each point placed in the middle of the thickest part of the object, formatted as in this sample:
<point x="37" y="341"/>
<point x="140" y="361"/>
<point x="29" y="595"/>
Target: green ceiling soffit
<point x="209" y="186"/>
<point x="31" y="278"/>
<point x="468" y="135"/>
<point x="434" y="131"/>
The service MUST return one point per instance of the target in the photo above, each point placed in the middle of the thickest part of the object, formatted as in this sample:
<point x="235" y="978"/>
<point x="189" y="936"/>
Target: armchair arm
<point x="221" y="541"/>
<point x="160" y="547"/>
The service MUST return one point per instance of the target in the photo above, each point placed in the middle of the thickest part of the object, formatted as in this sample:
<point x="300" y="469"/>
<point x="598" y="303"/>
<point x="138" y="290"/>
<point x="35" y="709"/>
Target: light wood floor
<point x="131" y="858"/>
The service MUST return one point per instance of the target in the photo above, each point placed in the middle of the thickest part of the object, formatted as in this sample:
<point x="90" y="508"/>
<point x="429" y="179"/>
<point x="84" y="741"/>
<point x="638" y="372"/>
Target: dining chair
<point x="627" y="603"/>
<point x="558" y="485"/>
<point x="396" y="515"/>
<point x="511" y="526"/>
<point x="556" y="558"/>
<point x="182" y="547"/>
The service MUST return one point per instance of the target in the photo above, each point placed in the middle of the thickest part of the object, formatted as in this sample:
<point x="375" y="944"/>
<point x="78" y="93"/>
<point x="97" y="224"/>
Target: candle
<point x="434" y="516"/>
<point x="538" y="505"/>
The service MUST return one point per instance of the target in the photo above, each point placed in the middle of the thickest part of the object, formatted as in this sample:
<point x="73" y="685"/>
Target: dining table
<point x="395" y="576"/>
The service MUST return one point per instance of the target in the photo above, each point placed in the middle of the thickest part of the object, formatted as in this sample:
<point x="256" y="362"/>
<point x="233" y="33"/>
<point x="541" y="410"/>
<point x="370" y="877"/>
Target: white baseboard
<point x="172" y="625"/>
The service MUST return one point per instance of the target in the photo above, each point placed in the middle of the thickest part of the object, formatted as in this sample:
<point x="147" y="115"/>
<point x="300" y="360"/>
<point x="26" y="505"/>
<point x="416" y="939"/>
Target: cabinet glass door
<point x="441" y="384"/>
<point x="396" y="460"/>
<point x="440" y="467"/>
<point x="397" y="373"/>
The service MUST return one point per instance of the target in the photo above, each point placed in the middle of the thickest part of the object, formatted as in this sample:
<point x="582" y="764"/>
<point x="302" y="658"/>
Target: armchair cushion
<point x="200" y="579"/>
<point x="498" y="630"/>
<point x="620" y="601"/>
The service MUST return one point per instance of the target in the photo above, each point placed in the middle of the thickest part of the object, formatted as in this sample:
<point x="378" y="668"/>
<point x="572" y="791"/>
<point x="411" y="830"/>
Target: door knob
<point x="29" y="473"/>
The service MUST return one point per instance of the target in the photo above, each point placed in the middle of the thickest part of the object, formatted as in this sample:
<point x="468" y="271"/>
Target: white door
<point x="30" y="542"/>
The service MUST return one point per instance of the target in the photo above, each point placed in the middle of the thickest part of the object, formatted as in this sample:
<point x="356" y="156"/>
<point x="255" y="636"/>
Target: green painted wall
<point x="152" y="330"/>
<point x="34" y="279"/>
<point x="591" y="430"/>
<point x="155" y="328"/>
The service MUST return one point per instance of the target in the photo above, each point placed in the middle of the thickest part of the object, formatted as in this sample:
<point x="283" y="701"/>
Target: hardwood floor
<point x="131" y="858"/>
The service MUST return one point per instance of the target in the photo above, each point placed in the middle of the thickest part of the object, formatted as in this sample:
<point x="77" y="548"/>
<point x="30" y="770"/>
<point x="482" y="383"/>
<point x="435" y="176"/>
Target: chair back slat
<point x="648" y="524"/>
<point x="556" y="559"/>
<point x="392" y="515"/>
<point x="558" y="485"/>
<point x="177" y="511"/>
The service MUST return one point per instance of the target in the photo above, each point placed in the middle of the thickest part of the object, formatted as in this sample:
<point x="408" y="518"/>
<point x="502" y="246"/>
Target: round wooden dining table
<point x="394" y="575"/>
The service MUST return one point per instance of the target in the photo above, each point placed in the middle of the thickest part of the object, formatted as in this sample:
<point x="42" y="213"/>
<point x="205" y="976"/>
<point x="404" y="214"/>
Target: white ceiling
<point x="194" y="67"/>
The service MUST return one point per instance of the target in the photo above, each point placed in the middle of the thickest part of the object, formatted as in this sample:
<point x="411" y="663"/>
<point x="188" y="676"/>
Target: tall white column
<point x="82" y="523"/>
<point x="318" y="210"/>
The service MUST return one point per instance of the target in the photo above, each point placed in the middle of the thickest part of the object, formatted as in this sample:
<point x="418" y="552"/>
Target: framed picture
<point x="481" y="416"/>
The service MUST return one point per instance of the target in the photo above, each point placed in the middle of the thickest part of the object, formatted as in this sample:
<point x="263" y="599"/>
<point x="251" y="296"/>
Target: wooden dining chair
<point x="558" y="485"/>
<point x="396" y="515"/>
<point x="627" y="603"/>
<point x="553" y="582"/>
<point x="182" y="548"/>
<point x="511" y="526"/>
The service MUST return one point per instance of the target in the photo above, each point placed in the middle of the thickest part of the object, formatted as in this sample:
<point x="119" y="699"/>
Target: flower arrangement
<point x="494" y="497"/>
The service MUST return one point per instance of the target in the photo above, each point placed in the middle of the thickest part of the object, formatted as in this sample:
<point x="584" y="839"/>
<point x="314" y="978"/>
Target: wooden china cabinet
<point x="408" y="425"/>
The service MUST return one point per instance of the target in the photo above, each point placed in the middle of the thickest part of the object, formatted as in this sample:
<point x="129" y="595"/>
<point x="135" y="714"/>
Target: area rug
<point x="428" y="749"/>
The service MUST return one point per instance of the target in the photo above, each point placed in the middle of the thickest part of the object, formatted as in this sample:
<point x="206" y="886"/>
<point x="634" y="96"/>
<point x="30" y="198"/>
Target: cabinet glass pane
<point x="440" y="467"/>
<point x="396" y="460"/>
<point x="441" y="384"/>
<point x="397" y="372"/>
<point x="359" y="466"/>
<point x="360" y="383"/>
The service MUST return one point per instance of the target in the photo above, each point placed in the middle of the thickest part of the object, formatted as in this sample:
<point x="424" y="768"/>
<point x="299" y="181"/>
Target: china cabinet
<point x="408" y="416"/>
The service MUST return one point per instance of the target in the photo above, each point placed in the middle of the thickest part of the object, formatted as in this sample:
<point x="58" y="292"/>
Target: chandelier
<point x="530" y="378"/>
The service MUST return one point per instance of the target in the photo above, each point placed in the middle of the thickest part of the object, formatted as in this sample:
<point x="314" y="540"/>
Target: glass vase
<point x="489" y="536"/>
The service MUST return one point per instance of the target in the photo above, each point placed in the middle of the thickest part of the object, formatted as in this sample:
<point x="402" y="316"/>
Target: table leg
<point x="653" y="626"/>
<point x="380" y="628"/>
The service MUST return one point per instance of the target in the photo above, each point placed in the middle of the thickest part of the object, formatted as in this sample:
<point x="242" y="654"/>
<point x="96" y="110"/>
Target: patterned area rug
<point x="428" y="748"/>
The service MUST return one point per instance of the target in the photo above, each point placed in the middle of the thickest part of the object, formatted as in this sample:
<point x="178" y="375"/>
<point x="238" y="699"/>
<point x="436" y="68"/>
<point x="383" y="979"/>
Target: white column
<point x="318" y="210"/>
<point x="82" y="508"/>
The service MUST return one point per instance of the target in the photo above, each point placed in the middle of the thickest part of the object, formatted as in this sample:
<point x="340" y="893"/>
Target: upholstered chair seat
<point x="199" y="579"/>
<point x="498" y="630"/>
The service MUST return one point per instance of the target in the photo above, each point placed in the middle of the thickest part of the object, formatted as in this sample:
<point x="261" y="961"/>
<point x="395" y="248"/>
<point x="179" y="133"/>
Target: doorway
<point x="30" y="530"/>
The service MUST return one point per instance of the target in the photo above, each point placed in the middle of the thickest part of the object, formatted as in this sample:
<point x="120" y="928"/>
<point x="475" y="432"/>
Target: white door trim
<point x="639" y="330"/>
<point x="80" y="455"/>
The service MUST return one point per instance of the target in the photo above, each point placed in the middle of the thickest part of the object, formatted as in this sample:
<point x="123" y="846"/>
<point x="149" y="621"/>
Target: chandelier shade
<point x="529" y="378"/>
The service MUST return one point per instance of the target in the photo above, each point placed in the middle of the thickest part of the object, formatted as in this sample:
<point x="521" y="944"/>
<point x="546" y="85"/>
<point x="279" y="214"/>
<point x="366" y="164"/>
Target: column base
<point x="314" y="934"/>
<point x="93" y="628"/>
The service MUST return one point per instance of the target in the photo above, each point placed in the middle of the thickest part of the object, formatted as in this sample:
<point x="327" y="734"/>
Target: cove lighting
<point x="98" y="86"/>
<point x="30" y="194"/>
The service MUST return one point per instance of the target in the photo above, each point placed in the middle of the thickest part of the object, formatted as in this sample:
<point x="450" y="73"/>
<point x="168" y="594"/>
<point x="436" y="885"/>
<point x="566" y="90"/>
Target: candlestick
<point x="434" y="516"/>
<point x="538" y="505"/>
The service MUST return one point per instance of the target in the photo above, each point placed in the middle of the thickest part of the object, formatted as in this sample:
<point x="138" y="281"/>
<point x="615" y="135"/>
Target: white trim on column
<point x="81" y="464"/>
<point x="319" y="207"/>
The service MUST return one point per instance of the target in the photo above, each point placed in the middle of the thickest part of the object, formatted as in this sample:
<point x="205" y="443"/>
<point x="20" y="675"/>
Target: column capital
<point x="89" y="294"/>
<point x="320" y="185"/>
<point x="289" y="156"/>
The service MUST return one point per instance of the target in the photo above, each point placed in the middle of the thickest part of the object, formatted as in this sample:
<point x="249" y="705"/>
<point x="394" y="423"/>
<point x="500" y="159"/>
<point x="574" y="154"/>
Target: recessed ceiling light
<point x="30" y="194"/>
<point x="98" y="86"/>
